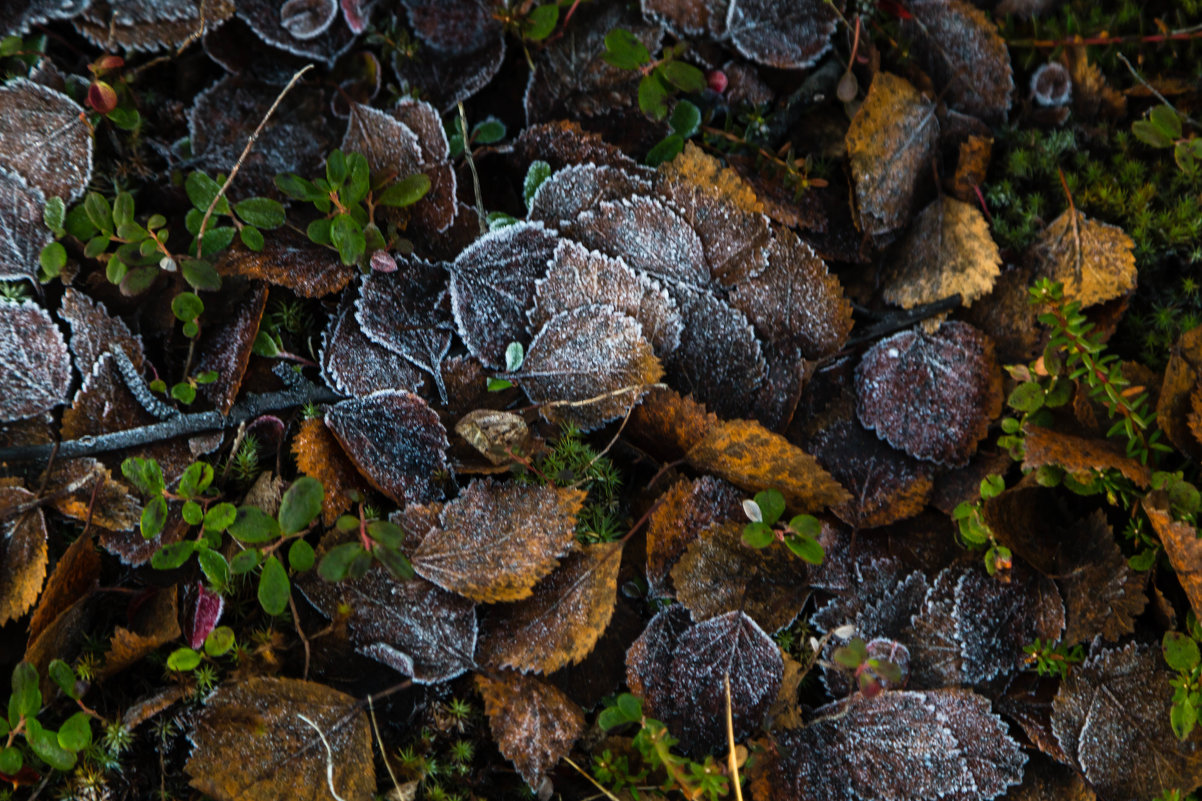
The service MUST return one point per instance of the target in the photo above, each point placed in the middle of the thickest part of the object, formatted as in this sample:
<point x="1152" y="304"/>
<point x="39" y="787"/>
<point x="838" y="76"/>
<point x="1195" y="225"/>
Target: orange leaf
<point x="155" y="624"/>
<point x="1075" y="454"/>
<point x="319" y="455"/>
<point x="535" y="725"/>
<point x="22" y="552"/>
<point x="1181" y="545"/>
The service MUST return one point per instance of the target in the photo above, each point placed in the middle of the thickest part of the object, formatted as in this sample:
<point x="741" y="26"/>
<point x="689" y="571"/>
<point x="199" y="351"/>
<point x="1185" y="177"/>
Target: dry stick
<point x="600" y="787"/>
<point x="730" y="739"/>
<point x="329" y="757"/>
<point x="380" y="744"/>
<point x="1072" y="207"/>
<point x="1153" y="90"/>
<point x="300" y="633"/>
<point x="254" y="137"/>
<point x="471" y="165"/>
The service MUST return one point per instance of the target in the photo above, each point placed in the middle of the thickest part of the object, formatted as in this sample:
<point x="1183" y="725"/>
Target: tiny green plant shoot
<point x="1053" y="659"/>
<point x="872" y="674"/>
<point x="975" y="532"/>
<point x="1182" y="654"/>
<point x="1162" y="129"/>
<point x="375" y="540"/>
<point x="25" y="740"/>
<point x="663" y="78"/>
<point x="799" y="535"/>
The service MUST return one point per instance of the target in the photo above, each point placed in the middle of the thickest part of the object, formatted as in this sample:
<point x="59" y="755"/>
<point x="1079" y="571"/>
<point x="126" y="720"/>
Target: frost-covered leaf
<point x="685" y="510"/>
<point x="935" y="659"/>
<point x="931" y="395"/>
<point x="493" y="284"/>
<point x="449" y="78"/>
<point x="718" y="573"/>
<point x="879" y="602"/>
<point x="588" y="366"/>
<point x="438" y="209"/>
<point x="396" y="441"/>
<point x="305" y="19"/>
<point x="783" y="35"/>
<point x="579" y="276"/>
<point x="648" y="236"/>
<point x="1094" y="261"/>
<point x="84" y="489"/>
<point x="1102" y="595"/>
<point x="561" y="622"/>
<point x="889" y="144"/>
<point x="35" y="368"/>
<point x="496" y="541"/>
<point x="149" y="24"/>
<point x="45" y="139"/>
<point x="453" y="26"/>
<point x="290" y="260"/>
<point x="948" y="250"/>
<point x="250" y="743"/>
<point x="795" y="301"/>
<point x="390" y="146"/>
<point x="690" y="17"/>
<point x="564" y="143"/>
<point x="22" y="232"/>
<point x="298" y="27"/>
<point x="532" y="722"/>
<point x="225" y="345"/>
<point x="723" y="210"/>
<point x="649" y="658"/>
<point x="407" y="312"/>
<point x="410" y="625"/>
<point x="355" y="365"/>
<point x="580" y="187"/>
<point x="720" y="360"/>
<point x="900" y="745"/>
<point x="1111" y="716"/>
<point x="18" y="16"/>
<point x="295" y="139"/>
<point x="23" y="552"/>
<point x="966" y="56"/>
<point x="94" y="331"/>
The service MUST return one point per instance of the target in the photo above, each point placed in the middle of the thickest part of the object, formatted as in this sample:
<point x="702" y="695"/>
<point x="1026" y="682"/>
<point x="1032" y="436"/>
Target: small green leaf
<point x="202" y="190"/>
<point x="301" y="504"/>
<point x="772" y="505"/>
<point x="536" y="173"/>
<point x="498" y="384"/>
<point x="261" y="212"/>
<point x="1149" y="134"/>
<point x="62" y="675"/>
<point x="26" y="698"/>
<point x="207" y="377"/>
<point x="301" y="556"/>
<point x="183" y="659"/>
<point x="99" y="212"/>
<point x="405" y="192"/>
<point x="274" y="587"/>
<point x="318" y="232"/>
<point x="251" y="237"/>
<point x="145" y="474"/>
<point x="336" y="564"/>
<point x="624" y="51"/>
<point x="265" y="346"/>
<point x="76" y="732"/>
<point x="498" y="219"/>
<point x="172" y="556"/>
<point x="540" y="22"/>
<point x="252" y="525"/>
<point x="360" y="180"/>
<point x="336" y="168"/>
<point x="805" y="547"/>
<point x="515" y="355"/>
<point x="806" y="526"/>
<point x="1026" y="397"/>
<point x="215" y="568"/>
<point x="217" y="239"/>
<point x="127" y="119"/>
<point x="123" y="211"/>
<point x="666" y="150"/>
<point x="219" y="641"/>
<point x="397" y="563"/>
<point x="11" y="760"/>
<point x="684" y="77"/>
<point x="653" y="96"/>
<point x="386" y="533"/>
<point x="54" y="214"/>
<point x="758" y="535"/>
<point x="183" y="391"/>
<point x="78" y="225"/>
<point x="196" y="479"/>
<point x="1167" y="121"/>
<point x="200" y="275"/>
<point x="631" y="706"/>
<point x="44" y="743"/>
<point x="245" y="561"/>
<point x="488" y="131"/>
<point x="298" y="188"/>
<point x="686" y="119"/>
<point x="992" y="486"/>
<point x="187" y="306"/>
<point x="346" y="236"/>
<point x="154" y="517"/>
<point x="1181" y="651"/>
<point x="220" y="517"/>
<point x="192" y="513"/>
<point x="53" y="258"/>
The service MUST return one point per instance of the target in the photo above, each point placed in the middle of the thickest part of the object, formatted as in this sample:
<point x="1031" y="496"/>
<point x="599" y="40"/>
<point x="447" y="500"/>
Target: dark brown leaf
<point x="149" y="24"/>
<point x="685" y="510"/>
<point x="22" y="232"/>
<point x="1181" y="544"/>
<point x="289" y="259"/>
<point x="225" y="348"/>
<point x="532" y="722"/>
<point x="76" y="572"/>
<point x="1094" y="261"/>
<point x="783" y="35"/>
<point x="355" y="365"/>
<point x="288" y="28"/>
<point x="1102" y="595"/>
<point x="577" y="188"/>
<point x="35" y="369"/>
<point x="1077" y="455"/>
<point x="152" y="624"/>
<point x="94" y="331"/>
<point x="45" y="139"/>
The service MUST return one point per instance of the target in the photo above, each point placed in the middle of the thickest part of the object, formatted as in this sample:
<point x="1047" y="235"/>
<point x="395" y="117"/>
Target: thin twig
<point x="471" y="165"/>
<point x="300" y="633"/>
<point x="730" y="740"/>
<point x="594" y="782"/>
<point x="254" y="137"/>
<point x="380" y="744"/>
<point x="1154" y="91"/>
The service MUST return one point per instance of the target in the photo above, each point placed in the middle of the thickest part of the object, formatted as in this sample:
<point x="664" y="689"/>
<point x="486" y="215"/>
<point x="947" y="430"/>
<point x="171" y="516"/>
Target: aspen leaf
<point x="1094" y="261"/>
<point x="439" y="208"/>
<point x="289" y="259"/>
<point x="149" y="25"/>
<point x="23" y="552"/>
<point x="564" y="142"/>
<point x="579" y="187"/>
<point x="588" y="366"/>
<point x="533" y="723"/>
<point x="251" y="744"/>
<point x="353" y="364"/>
<point x="496" y="541"/>
<point x="890" y="144"/>
<point x="225" y="347"/>
<point x="44" y="138"/>
<point x="685" y="510"/>
<point x="1102" y="594"/>
<point x="289" y="26"/>
<point x="1077" y="455"/>
<point x="34" y="366"/>
<point x="935" y="659"/>
<point x="94" y="330"/>
<point x="560" y="623"/>
<point x="22" y="232"/>
<point x="649" y="657"/>
<point x="782" y="35"/>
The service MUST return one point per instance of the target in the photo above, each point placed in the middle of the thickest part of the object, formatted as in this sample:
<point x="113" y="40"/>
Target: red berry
<point x="716" y="80"/>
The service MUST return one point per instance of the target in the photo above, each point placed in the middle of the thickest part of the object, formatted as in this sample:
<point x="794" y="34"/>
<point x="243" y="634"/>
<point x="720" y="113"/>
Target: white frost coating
<point x="790" y="35"/>
<point x="579" y="187"/>
<point x="44" y="138"/>
<point x="35" y="367"/>
<point x="22" y="233"/>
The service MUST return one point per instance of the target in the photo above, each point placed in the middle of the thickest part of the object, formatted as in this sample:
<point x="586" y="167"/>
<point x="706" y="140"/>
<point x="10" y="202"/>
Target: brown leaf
<point x="146" y="25"/>
<point x="353" y="364"/>
<point x="396" y="441"/>
<point x="577" y="188"/>
<point x="438" y="209"/>
<point x="564" y="142"/>
<point x="289" y="259"/>
<point x="94" y="331"/>
<point x="948" y="250"/>
<point x="1117" y="703"/>
<point x="533" y="723"/>
<point x="226" y="348"/>
<point x="966" y="56"/>
<point x="561" y="622"/>
<point x="889" y="144"/>
<point x="1102" y="595"/>
<point x="751" y="457"/>
<point x="971" y="168"/>
<point x="22" y="232"/>
<point x="668" y="424"/>
<point x="496" y="541"/>
<point x="782" y="35"/>
<point x="153" y="624"/>
<point x="1181" y="545"/>
<point x="1079" y="455"/>
<point x="685" y="510"/>
<point x="1094" y="261"/>
<point x="76" y="572"/>
<point x="319" y="455"/>
<point x="589" y="366"/>
<point x="1181" y="378"/>
<point x="496" y="435"/>
<point x="23" y="553"/>
<point x="251" y="744"/>
<point x="113" y="506"/>
<point x="690" y="17"/>
<point x="35" y="369"/>
<point x="718" y="574"/>
<point x="45" y="138"/>
<point x="63" y="638"/>
<point x="933" y="396"/>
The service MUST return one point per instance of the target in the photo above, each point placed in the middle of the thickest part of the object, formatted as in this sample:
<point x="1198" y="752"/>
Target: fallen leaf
<point x="690" y="17"/>
<point x="1181" y="545"/>
<point x="354" y="365"/>
<point x="931" y="395"/>
<point x="35" y="368"/>
<point x="1079" y="455"/>
<point x="22" y="232"/>
<point x="319" y="455"/>
<point x="533" y="723"/>
<point x="560" y="623"/>
<point x="889" y="144"/>
<point x="576" y="188"/>
<point x="225" y="347"/>
<point x="23" y="552"/>
<point x="152" y="625"/>
<point x="289" y="259"/>
<point x="250" y="743"/>
<point x="1094" y="261"/>
<point x="73" y="577"/>
<point x="496" y="541"/>
<point x="44" y="138"/>
<point x="564" y="142"/>
<point x="1102" y="595"/>
<point x="277" y="25"/>
<point x="110" y="506"/>
<point x="94" y="331"/>
<point x="684" y="511"/>
<point x="438" y="209"/>
<point x="149" y="25"/>
<point x="1182" y="375"/>
<point x="786" y="36"/>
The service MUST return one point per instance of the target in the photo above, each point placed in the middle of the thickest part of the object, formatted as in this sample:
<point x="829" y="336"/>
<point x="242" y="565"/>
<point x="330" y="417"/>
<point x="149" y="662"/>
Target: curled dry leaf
<point x="250" y="743"/>
<point x="1181" y="545"/>
<point x="22" y="552"/>
<point x="1094" y="261"/>
<point x="889" y="144"/>
<point x="783" y="35"/>
<point x="1181" y="377"/>
<point x="296" y="27"/>
<point x="947" y="251"/>
<point x="396" y="441"/>
<point x="35" y="368"/>
<point x="306" y="19"/>
<point x="225" y="347"/>
<point x="534" y="724"/>
<point x="589" y="366"/>
<point x="560" y="623"/>
<point x="495" y="434"/>
<point x="73" y="486"/>
<point x="413" y="626"/>
<point x="931" y="395"/>
<point x="684" y="511"/>
<point x="44" y="138"/>
<point x="1117" y="703"/>
<point x="496" y="541"/>
<point x="900" y="745"/>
